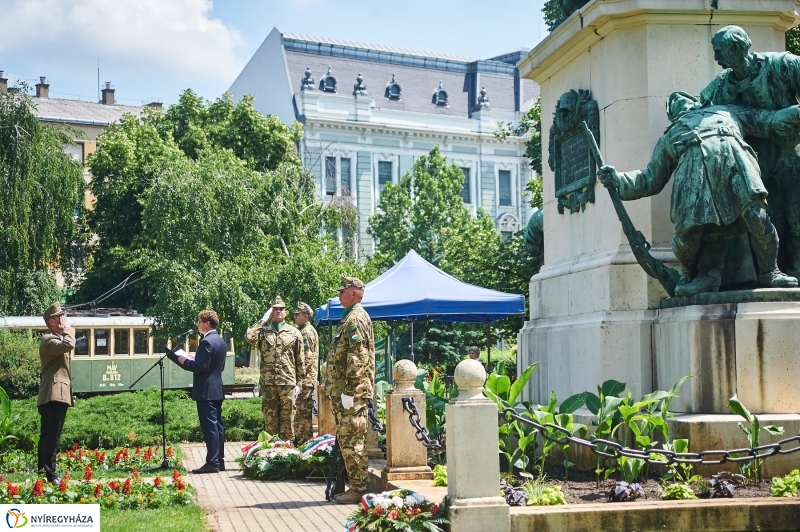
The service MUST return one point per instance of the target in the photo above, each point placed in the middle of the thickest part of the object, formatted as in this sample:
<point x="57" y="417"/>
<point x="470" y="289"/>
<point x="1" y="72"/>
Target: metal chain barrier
<point x="377" y="426"/>
<point x="611" y="449"/>
<point x="421" y="433"/>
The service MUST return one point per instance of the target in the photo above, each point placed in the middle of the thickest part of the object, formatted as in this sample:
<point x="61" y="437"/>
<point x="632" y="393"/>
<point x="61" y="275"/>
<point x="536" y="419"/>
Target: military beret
<point x="347" y="282"/>
<point x="53" y="311"/>
<point x="278" y="303"/>
<point x="304" y="308"/>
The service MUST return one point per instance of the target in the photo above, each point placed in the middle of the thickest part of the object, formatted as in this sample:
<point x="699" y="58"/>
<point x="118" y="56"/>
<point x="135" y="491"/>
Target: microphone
<point x="187" y="333"/>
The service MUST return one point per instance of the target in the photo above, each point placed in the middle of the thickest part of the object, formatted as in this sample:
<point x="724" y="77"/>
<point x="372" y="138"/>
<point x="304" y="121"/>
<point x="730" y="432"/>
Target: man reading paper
<point x="207" y="391"/>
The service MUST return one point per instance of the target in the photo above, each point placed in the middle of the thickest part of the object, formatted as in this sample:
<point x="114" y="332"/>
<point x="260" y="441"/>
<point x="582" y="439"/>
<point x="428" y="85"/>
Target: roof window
<point x="328" y="82"/>
<point x="393" y="90"/>
<point x="440" y="96"/>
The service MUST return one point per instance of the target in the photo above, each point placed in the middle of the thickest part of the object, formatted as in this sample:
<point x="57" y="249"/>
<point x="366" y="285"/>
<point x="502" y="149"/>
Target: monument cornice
<point x="587" y="26"/>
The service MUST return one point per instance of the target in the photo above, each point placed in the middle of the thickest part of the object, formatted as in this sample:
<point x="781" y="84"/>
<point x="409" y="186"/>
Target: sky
<point x="151" y="50"/>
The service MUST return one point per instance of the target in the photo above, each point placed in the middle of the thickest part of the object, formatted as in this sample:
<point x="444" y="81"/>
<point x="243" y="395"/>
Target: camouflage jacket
<point x="308" y="377"/>
<point x="281" y="353"/>
<point x="351" y="362"/>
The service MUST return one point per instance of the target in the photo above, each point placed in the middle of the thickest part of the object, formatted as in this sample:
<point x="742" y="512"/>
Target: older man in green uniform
<point x="350" y="383"/>
<point x="717" y="190"/>
<point x="769" y="80"/>
<point x="281" y="347"/>
<point x="307" y="380"/>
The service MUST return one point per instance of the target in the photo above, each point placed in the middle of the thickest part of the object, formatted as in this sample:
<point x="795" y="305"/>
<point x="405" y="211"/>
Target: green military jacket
<point x="308" y="377"/>
<point x="281" y="353"/>
<point x="351" y="362"/>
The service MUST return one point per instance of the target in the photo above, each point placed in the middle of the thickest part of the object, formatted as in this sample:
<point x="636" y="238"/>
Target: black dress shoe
<point x="205" y="468"/>
<point x="222" y="465"/>
<point x="55" y="481"/>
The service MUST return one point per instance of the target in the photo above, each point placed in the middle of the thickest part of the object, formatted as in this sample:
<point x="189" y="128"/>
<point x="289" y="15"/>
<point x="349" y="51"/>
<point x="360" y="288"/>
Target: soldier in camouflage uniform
<point x="307" y="380"/>
<point x="350" y="382"/>
<point x="281" y="347"/>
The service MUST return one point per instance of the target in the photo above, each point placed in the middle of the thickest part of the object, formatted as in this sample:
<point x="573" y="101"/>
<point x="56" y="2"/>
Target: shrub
<point x="786" y="486"/>
<point x="134" y="418"/>
<point x="19" y="363"/>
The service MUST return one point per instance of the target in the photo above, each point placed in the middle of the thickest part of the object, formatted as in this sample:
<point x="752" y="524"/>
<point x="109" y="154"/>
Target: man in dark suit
<point x="207" y="366"/>
<point x="55" y="390"/>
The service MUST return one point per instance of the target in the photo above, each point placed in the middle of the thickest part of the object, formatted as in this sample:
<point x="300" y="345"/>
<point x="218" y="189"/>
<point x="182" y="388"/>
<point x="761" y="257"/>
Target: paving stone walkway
<point x="237" y="504"/>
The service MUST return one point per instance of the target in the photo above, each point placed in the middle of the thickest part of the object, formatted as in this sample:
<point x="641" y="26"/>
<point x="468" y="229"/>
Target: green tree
<point x="133" y="152"/>
<point x="41" y="195"/>
<point x="552" y="14"/>
<point x="793" y="40"/>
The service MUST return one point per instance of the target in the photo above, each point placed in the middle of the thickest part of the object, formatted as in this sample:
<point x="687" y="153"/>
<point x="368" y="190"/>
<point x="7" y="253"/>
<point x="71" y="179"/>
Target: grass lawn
<point x="172" y="519"/>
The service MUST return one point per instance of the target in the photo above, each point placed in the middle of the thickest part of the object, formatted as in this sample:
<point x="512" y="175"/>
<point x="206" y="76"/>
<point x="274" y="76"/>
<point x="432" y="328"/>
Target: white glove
<point x="347" y="401"/>
<point x="296" y="391"/>
<point x="267" y="315"/>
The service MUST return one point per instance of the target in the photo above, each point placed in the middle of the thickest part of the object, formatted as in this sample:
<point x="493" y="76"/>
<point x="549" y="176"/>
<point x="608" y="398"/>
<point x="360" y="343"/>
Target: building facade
<point x="368" y="111"/>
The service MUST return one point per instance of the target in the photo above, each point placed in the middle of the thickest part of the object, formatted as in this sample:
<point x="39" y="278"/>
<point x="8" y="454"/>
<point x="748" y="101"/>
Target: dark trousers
<point x="210" y="413"/>
<point x="53" y="414"/>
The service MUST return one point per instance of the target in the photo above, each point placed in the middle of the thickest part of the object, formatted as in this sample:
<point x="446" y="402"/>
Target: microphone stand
<point x="160" y="364"/>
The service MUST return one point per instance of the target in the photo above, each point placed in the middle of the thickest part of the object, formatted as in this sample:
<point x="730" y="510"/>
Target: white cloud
<point x="176" y="38"/>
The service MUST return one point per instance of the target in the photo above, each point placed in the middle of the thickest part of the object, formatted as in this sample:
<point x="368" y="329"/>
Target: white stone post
<point x="326" y="424"/>
<point x="473" y="466"/>
<point x="406" y="458"/>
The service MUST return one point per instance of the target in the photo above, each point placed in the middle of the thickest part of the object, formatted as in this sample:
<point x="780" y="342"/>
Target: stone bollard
<point x="473" y="468"/>
<point x="406" y="458"/>
<point x="326" y="424"/>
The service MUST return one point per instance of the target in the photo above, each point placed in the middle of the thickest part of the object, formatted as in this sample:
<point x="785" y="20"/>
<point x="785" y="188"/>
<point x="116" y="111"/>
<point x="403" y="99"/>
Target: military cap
<point x="278" y="303"/>
<point x="53" y="311"/>
<point x="304" y="308"/>
<point x="347" y="282"/>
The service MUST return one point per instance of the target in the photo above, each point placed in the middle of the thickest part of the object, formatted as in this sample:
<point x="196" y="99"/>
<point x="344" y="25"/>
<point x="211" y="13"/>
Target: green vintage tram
<point x="111" y="352"/>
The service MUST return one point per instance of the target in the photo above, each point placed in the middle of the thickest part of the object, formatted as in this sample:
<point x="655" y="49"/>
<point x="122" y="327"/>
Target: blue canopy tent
<point x="416" y="290"/>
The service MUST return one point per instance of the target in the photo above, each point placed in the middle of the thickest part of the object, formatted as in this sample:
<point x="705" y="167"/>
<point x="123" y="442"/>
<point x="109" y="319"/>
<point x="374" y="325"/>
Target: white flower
<point x="397" y="502"/>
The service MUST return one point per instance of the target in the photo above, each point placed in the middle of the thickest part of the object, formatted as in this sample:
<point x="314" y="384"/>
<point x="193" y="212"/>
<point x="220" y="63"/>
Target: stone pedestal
<point x="406" y="458"/>
<point x="592" y="306"/>
<point x="473" y="470"/>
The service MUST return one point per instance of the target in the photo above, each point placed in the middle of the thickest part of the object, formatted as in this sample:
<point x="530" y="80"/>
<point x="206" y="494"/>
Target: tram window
<point x="101" y="340"/>
<point x="121" y="344"/>
<point x="82" y="343"/>
<point x="140" y="341"/>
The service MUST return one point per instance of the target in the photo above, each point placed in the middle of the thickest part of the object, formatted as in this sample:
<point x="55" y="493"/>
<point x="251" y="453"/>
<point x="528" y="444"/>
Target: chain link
<point x="421" y="433"/>
<point x="612" y="449"/>
<point x="377" y="426"/>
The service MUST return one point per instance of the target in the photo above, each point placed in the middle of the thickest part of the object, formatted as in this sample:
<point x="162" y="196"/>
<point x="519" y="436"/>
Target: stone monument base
<point x="733" y="345"/>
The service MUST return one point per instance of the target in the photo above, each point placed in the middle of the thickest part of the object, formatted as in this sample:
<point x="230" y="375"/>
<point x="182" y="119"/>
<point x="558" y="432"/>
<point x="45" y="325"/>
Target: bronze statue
<point x="718" y="192"/>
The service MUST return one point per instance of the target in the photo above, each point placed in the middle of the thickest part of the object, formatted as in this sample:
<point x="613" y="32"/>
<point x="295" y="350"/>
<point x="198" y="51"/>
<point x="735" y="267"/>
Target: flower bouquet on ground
<point x="399" y="510"/>
<point x="272" y="459"/>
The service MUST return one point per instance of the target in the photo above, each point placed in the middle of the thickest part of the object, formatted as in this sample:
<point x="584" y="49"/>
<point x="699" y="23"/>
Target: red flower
<point x="435" y="509"/>
<point x="393" y="514"/>
<point x="148" y="454"/>
<point x="175" y="475"/>
<point x="63" y="486"/>
<point x="114" y="485"/>
<point x="12" y="489"/>
<point x="120" y="454"/>
<point x="411" y="512"/>
<point x="180" y="485"/>
<point x="66" y="475"/>
<point x="378" y="510"/>
<point x="87" y="472"/>
<point x="169" y="452"/>
<point x="75" y="446"/>
<point x="135" y="472"/>
<point x="126" y="487"/>
<point x="126" y="453"/>
<point x="98" y="490"/>
<point x="38" y="488"/>
<point x="69" y="454"/>
<point x="157" y="481"/>
<point x="138" y="450"/>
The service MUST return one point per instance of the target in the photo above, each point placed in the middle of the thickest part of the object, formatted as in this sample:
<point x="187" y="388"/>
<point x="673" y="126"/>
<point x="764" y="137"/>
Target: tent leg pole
<point x="489" y="346"/>
<point x="388" y="358"/>
<point x="412" y="340"/>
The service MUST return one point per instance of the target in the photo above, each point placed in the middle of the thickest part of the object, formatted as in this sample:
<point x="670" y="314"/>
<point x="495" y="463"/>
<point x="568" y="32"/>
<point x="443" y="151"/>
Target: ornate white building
<point x="368" y="111"/>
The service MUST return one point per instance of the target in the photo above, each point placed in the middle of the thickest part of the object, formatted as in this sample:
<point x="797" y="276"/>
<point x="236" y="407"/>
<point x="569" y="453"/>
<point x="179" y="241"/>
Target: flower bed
<point x="131" y="493"/>
<point x="121" y="460"/>
<point x="273" y="459"/>
<point x="398" y="510"/>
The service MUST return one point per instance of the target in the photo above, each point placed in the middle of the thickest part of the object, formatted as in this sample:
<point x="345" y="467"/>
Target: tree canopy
<point x="42" y="206"/>
<point x="210" y="203"/>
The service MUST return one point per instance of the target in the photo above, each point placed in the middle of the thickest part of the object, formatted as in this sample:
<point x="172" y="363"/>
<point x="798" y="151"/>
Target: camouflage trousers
<point x="351" y="433"/>
<point x="303" y="425"/>
<point x="277" y="405"/>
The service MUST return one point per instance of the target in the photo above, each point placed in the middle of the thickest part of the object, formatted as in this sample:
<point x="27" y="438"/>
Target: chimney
<point x="42" y="88"/>
<point x="108" y="94"/>
<point x="157" y="105"/>
<point x="3" y="83"/>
